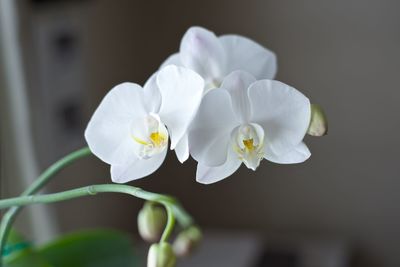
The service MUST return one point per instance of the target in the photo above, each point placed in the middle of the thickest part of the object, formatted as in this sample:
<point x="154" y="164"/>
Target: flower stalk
<point x="170" y="204"/>
<point x="10" y="216"/>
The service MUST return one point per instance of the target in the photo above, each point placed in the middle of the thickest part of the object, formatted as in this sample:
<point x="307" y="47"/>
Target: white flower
<point x="132" y="125"/>
<point x="215" y="57"/>
<point x="245" y="121"/>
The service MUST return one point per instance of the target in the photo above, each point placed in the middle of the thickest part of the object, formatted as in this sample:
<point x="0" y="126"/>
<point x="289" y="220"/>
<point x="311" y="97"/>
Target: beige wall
<point x="343" y="54"/>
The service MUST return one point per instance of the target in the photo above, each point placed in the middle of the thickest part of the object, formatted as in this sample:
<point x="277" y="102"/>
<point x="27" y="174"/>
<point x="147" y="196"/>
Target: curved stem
<point x="170" y="223"/>
<point x="170" y="204"/>
<point x="41" y="181"/>
<point x="174" y="209"/>
<point x="185" y="220"/>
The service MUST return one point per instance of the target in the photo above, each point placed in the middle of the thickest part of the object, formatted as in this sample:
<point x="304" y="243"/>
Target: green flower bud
<point x="152" y="219"/>
<point x="318" y="123"/>
<point x="187" y="241"/>
<point x="161" y="255"/>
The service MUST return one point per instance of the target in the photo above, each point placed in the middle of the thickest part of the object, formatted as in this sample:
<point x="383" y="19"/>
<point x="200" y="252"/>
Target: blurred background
<point x="340" y="208"/>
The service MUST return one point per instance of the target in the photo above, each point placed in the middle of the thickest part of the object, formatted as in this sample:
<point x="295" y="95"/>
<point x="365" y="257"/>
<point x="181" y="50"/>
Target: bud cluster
<point x="152" y="220"/>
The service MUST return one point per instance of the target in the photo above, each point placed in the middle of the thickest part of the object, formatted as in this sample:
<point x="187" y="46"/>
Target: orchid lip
<point x="152" y="137"/>
<point x="248" y="143"/>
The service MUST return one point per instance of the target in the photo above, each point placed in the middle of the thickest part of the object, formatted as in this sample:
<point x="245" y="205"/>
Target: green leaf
<point x="25" y="258"/>
<point x="14" y="237"/>
<point x="19" y="252"/>
<point x="92" y="248"/>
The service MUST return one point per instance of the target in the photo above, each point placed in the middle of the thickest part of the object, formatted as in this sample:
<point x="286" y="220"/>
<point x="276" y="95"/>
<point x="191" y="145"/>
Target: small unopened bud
<point x="161" y="255"/>
<point x="152" y="219"/>
<point x="187" y="241"/>
<point x="318" y="123"/>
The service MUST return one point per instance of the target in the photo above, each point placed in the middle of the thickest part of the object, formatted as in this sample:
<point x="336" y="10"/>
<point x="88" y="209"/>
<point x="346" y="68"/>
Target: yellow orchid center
<point x="151" y="134"/>
<point x="158" y="138"/>
<point x="249" y="145"/>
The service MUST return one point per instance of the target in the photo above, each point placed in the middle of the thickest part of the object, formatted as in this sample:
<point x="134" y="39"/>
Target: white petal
<point x="297" y="155"/>
<point x="210" y="132"/>
<point x="245" y="54"/>
<point x="282" y="111"/>
<point x="137" y="169"/>
<point x="201" y="51"/>
<point x="108" y="131"/>
<point x="209" y="175"/>
<point x="152" y="96"/>
<point x="237" y="84"/>
<point x="182" y="149"/>
<point x="173" y="59"/>
<point x="181" y="91"/>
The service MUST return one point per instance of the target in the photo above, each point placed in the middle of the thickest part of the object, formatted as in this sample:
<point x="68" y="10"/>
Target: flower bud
<point x="161" y="255"/>
<point x="152" y="219"/>
<point x="187" y="241"/>
<point x="318" y="123"/>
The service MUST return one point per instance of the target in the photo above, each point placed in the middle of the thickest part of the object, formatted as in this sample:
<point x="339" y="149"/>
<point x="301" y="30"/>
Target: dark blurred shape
<point x="69" y="116"/>
<point x="278" y="258"/>
<point x="65" y="45"/>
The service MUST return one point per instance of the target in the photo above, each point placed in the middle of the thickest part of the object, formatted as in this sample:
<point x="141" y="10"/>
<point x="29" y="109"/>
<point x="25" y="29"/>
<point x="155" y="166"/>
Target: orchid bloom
<point x="215" y="57"/>
<point x="245" y="121"/>
<point x="132" y="125"/>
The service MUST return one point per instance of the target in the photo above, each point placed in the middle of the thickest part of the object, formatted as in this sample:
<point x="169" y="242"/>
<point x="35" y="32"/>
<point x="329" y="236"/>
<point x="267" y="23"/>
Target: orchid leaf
<point x="93" y="248"/>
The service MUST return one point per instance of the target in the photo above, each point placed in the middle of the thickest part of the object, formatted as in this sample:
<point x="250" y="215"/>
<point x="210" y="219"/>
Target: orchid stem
<point x="170" y="224"/>
<point x="91" y="190"/>
<point x="174" y="209"/>
<point x="170" y="204"/>
<point x="10" y="216"/>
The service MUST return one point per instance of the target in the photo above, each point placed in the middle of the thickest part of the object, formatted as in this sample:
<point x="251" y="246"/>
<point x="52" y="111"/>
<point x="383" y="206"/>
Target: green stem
<point x="41" y="181"/>
<point x="84" y="191"/>
<point x="173" y="209"/>
<point x="170" y="224"/>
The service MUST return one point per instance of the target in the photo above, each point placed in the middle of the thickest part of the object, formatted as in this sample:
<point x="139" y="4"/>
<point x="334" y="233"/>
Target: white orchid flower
<point x="245" y="121"/>
<point x="132" y="125"/>
<point x="215" y="57"/>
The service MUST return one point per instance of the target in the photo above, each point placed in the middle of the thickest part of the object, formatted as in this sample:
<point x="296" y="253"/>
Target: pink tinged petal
<point x="210" y="132"/>
<point x="182" y="149"/>
<point x="173" y="59"/>
<point x="247" y="55"/>
<point x="201" y="51"/>
<point x="209" y="175"/>
<point x="298" y="154"/>
<point x="108" y="131"/>
<point x="181" y="92"/>
<point x="237" y="84"/>
<point x="152" y="95"/>
<point x="282" y="111"/>
<point x="136" y="169"/>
